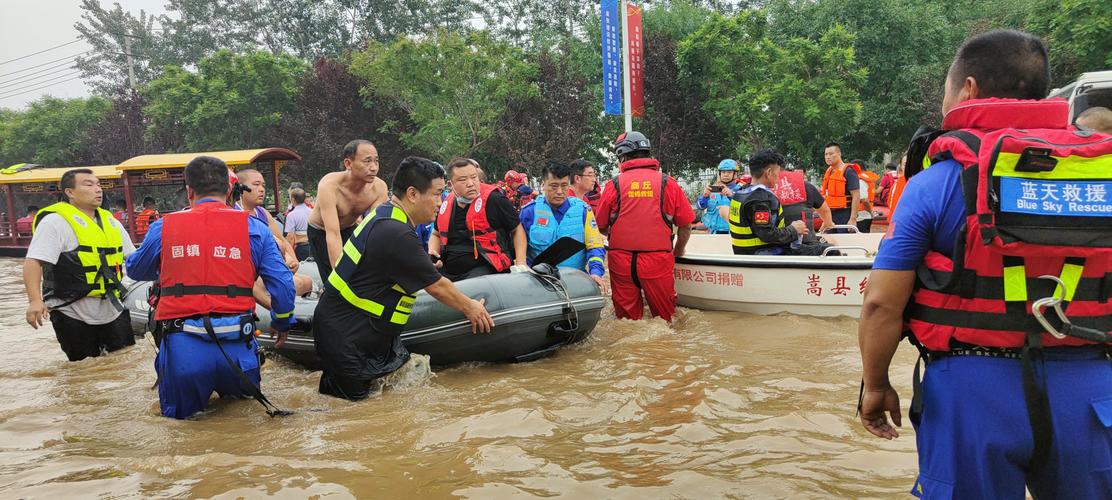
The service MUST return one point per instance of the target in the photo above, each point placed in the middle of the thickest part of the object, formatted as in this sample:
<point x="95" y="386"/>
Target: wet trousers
<point x="191" y="367"/>
<point x="634" y="273"/>
<point x="974" y="437"/>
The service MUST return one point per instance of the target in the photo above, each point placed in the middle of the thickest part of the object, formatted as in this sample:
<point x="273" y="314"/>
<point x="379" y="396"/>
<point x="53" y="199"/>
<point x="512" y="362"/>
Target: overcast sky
<point x="28" y="26"/>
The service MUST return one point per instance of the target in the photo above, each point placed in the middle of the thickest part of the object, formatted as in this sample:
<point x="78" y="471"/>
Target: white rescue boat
<point x="709" y="276"/>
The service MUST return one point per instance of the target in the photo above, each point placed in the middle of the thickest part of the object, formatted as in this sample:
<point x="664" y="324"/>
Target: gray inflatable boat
<point x="534" y="315"/>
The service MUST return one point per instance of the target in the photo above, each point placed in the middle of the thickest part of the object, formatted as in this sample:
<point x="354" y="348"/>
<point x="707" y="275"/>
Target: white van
<point x="1090" y="90"/>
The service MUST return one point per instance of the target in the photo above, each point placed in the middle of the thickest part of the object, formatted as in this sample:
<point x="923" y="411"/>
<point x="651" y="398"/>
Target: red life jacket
<point x="485" y="237"/>
<point x="205" y="271"/>
<point x="1016" y="155"/>
<point x="638" y="222"/>
<point x="791" y="189"/>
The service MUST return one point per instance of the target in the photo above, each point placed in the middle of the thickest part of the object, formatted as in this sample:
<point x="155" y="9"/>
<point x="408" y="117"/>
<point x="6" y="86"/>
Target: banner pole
<point x="627" y="101"/>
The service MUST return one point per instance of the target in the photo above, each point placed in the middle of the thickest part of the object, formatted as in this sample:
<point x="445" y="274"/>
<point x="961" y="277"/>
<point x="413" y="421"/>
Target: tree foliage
<point x="454" y="87"/>
<point x="762" y="93"/>
<point x="230" y="102"/>
<point x="50" y="131"/>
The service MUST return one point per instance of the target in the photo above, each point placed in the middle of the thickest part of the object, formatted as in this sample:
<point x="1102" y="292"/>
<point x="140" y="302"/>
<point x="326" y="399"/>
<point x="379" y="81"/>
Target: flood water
<point x="720" y="405"/>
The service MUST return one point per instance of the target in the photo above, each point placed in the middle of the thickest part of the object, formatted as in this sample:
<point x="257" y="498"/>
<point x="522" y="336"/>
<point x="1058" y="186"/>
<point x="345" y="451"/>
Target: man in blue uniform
<point x="715" y="200"/>
<point x="555" y="216"/>
<point x="974" y="434"/>
<point x="206" y="309"/>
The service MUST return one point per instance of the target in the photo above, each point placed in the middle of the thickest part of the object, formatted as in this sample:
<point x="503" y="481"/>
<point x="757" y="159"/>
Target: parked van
<point x="1088" y="91"/>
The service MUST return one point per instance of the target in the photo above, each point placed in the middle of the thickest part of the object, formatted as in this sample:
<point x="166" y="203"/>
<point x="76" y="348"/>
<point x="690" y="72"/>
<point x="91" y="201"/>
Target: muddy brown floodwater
<point x="720" y="405"/>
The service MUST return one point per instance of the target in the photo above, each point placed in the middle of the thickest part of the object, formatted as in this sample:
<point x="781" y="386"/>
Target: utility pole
<point x="627" y="102"/>
<point x="130" y="61"/>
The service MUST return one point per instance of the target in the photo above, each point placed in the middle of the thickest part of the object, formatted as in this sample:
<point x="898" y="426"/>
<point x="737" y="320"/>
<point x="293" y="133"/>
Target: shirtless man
<point x="252" y="203"/>
<point x="343" y="197"/>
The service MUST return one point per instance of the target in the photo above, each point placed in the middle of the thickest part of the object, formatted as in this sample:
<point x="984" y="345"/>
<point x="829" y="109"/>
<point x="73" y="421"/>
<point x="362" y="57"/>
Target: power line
<point x="38" y="88"/>
<point x="53" y="70"/>
<point x="38" y="83"/>
<point x="41" y="51"/>
<point x="44" y="64"/>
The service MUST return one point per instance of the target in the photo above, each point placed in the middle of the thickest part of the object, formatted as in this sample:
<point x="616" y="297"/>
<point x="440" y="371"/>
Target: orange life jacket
<point x="869" y="178"/>
<point x="834" y="186"/>
<point x="144" y="220"/>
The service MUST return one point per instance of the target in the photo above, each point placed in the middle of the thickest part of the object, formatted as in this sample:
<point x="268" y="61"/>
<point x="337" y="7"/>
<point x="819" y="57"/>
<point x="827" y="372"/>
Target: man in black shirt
<point x="757" y="224"/>
<point x="370" y="294"/>
<point x="475" y="228"/>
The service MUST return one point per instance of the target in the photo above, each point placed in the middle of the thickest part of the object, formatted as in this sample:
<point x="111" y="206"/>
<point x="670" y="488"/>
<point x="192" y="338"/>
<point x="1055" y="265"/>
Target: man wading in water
<point x="342" y="197"/>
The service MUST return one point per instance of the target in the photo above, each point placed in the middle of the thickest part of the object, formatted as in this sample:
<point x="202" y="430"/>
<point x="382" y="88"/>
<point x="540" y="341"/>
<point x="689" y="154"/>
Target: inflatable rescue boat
<point x="534" y="313"/>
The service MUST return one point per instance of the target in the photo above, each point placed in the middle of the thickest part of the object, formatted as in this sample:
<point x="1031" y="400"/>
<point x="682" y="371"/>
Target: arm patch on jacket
<point x="762" y="218"/>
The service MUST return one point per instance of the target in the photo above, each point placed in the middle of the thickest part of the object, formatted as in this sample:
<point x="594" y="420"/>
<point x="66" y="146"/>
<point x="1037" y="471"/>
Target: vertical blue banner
<point x="611" y="57"/>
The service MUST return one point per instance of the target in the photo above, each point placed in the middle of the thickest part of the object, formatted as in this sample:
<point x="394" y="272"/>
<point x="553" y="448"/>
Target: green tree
<point x="229" y="102"/>
<point x="1079" y="34"/>
<point x="906" y="47"/>
<point x="50" y="131"/>
<point x="454" y="87"/>
<point x="110" y="34"/>
<point x="790" y="95"/>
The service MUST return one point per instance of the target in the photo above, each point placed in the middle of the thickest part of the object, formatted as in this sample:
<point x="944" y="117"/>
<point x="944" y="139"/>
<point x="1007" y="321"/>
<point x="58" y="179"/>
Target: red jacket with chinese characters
<point x="206" y="264"/>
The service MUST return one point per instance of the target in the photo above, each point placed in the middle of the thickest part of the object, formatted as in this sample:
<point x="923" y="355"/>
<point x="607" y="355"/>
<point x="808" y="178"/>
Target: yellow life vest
<point x="95" y="267"/>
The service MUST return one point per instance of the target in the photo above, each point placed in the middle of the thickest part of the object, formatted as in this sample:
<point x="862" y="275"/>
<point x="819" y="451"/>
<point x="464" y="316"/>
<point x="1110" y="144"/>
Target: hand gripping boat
<point x="534" y="315"/>
<point x="709" y="276"/>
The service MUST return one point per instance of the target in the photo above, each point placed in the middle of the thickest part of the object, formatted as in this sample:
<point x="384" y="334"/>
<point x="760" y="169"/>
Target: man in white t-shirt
<point x="73" y="268"/>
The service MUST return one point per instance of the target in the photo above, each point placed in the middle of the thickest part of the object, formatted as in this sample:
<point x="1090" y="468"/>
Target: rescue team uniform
<point x="714" y="222"/>
<point x="143" y="221"/>
<point x="864" y="210"/>
<point x="757" y="225"/>
<point x="638" y="210"/>
<point x="367" y="301"/>
<point x="884" y="191"/>
<point x="799" y="199"/>
<point x="573" y="219"/>
<point x="206" y="309"/>
<point x="82" y="262"/>
<point x="1003" y="405"/>
<point x="475" y="239"/>
<point x="837" y="187"/>
<point x="520" y="196"/>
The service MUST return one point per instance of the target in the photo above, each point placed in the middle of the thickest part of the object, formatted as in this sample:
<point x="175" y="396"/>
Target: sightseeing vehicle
<point x="39" y="187"/>
<point x="160" y="176"/>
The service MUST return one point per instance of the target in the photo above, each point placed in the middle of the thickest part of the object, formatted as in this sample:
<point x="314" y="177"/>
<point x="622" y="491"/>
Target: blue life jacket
<point x="711" y="219"/>
<point x="545" y="230"/>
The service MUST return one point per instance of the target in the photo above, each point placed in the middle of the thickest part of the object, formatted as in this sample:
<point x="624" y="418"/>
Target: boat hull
<point x="532" y="320"/>
<point x="707" y="277"/>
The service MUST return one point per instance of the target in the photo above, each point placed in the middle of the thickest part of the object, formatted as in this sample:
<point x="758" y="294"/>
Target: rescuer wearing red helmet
<point x="639" y="211"/>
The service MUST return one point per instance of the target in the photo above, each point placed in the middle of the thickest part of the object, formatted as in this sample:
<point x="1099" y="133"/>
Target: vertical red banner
<point x="636" y="61"/>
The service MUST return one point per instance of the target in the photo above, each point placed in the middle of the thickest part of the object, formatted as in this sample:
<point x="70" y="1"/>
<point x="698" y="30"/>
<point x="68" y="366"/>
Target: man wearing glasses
<point x="584" y="183"/>
<point x="561" y="228"/>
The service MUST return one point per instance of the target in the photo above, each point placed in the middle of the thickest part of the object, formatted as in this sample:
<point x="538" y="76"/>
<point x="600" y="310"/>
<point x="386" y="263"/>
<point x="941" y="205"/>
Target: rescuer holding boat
<point x="757" y="224"/>
<point x="76" y="255"/>
<point x="477" y="228"/>
<point x="639" y="210"/>
<point x="369" y="296"/>
<point x="206" y="260"/>
<point x="561" y="228"/>
<point x="1007" y="401"/>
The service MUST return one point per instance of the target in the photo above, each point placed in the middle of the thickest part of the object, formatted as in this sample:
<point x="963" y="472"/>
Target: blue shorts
<point x="975" y="440"/>
<point x="191" y="367"/>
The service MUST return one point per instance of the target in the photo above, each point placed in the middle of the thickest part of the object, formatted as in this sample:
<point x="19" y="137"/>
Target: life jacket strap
<point x="181" y="290"/>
